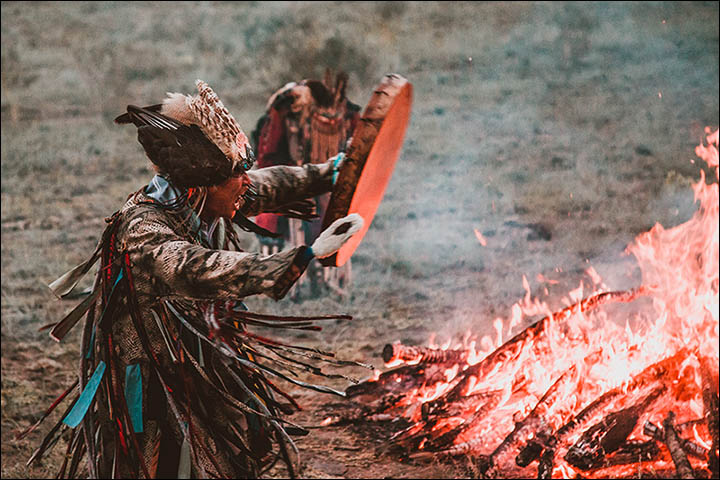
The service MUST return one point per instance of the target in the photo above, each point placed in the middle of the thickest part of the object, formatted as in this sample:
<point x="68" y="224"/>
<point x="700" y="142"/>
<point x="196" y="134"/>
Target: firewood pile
<point x="609" y="435"/>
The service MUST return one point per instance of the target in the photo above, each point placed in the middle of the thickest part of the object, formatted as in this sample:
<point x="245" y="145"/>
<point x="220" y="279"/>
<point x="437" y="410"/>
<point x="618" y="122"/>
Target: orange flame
<point x="593" y="353"/>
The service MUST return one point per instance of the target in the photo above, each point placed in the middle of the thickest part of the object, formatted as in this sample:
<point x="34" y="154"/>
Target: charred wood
<point x="651" y="374"/>
<point x="473" y="402"/>
<point x="608" y="435"/>
<point x="547" y="463"/>
<point x="535" y="421"/>
<point x="465" y="448"/>
<point x="691" y="448"/>
<point x="633" y="451"/>
<point x="674" y="445"/>
<point x="530" y="452"/>
<point x="544" y="442"/>
<point x="534" y="448"/>
<point x="443" y="439"/>
<point x="651" y="469"/>
<point x="411" y="354"/>
<point x="549" y="443"/>
<point x="398" y="379"/>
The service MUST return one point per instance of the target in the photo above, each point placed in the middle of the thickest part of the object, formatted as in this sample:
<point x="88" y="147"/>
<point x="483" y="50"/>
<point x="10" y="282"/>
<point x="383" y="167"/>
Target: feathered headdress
<point x="193" y="139"/>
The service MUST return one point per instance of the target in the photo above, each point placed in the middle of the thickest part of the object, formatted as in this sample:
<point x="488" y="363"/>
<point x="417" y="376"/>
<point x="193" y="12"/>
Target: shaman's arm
<point x="166" y="264"/>
<point x="281" y="185"/>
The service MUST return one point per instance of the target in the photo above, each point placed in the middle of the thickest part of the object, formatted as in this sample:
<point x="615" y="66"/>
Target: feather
<point x="127" y="117"/>
<point x="182" y="151"/>
<point x="177" y="106"/>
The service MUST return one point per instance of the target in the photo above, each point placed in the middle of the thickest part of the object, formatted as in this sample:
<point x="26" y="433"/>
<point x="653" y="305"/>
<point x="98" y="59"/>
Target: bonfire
<point x="577" y="393"/>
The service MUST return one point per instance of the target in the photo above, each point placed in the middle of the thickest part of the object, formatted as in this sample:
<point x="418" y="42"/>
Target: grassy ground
<point x="559" y="131"/>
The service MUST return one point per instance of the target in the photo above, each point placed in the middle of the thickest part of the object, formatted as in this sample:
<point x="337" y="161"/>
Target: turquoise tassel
<point x="133" y="395"/>
<point x="77" y="413"/>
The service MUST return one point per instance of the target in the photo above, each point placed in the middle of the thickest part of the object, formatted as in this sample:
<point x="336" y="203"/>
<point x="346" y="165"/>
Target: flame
<point x="480" y="238"/>
<point x="588" y="354"/>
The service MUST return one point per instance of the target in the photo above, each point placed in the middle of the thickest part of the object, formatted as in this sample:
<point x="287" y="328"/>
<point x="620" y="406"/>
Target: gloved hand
<point x="335" y="236"/>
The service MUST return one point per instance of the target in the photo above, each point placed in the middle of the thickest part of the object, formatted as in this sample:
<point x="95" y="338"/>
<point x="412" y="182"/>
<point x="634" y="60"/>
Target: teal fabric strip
<point x="77" y="413"/>
<point x="91" y="345"/>
<point x="133" y="395"/>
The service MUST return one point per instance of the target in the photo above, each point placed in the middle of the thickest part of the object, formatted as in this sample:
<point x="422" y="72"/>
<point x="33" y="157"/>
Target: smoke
<point x="551" y="140"/>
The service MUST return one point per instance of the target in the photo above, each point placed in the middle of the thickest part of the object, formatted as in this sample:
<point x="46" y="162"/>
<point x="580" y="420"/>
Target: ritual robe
<point x="172" y="381"/>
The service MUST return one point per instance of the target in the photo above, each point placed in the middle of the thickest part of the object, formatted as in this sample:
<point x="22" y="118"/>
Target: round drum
<point x="370" y="160"/>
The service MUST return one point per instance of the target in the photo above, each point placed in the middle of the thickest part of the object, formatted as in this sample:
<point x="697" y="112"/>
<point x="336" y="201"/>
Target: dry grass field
<point x="559" y="131"/>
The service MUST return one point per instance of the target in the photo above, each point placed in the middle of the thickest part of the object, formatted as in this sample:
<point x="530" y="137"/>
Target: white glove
<point x="335" y="236"/>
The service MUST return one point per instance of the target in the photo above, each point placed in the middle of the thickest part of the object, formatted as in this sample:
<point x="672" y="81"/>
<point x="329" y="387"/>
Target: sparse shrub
<point x="391" y="10"/>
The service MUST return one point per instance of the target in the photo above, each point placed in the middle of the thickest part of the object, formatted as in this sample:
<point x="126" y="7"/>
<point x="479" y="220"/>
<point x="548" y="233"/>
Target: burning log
<point x="442" y="440"/>
<point x="630" y="452"/>
<point x="608" y="435"/>
<point x="530" y="425"/>
<point x="440" y="408"/>
<point x="547" y="463"/>
<point x="398" y="379"/>
<point x="464" y="448"/>
<point x="633" y="451"/>
<point x="691" y="448"/>
<point x="514" y="346"/>
<point x="672" y="440"/>
<point x="535" y="424"/>
<point x="542" y="441"/>
<point x="436" y="434"/>
<point x="548" y="443"/>
<point x="710" y="411"/>
<point x="535" y="447"/>
<point x="410" y="354"/>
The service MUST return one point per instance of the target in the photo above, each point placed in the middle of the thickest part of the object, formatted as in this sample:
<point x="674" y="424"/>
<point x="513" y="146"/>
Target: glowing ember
<point x="549" y="387"/>
<point x="480" y="238"/>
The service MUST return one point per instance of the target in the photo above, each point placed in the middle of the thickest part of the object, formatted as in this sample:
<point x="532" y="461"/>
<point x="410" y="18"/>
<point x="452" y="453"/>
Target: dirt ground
<point x="559" y="131"/>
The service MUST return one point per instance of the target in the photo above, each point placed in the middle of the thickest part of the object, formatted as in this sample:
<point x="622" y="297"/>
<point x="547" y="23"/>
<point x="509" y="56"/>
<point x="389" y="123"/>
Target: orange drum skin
<point x="370" y="160"/>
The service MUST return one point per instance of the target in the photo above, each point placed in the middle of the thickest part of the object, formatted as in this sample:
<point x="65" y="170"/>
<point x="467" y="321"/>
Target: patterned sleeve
<point x="167" y="265"/>
<point x="281" y="185"/>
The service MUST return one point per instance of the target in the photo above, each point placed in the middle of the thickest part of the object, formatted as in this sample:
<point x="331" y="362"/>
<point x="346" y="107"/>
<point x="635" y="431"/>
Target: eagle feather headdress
<point x="192" y="139"/>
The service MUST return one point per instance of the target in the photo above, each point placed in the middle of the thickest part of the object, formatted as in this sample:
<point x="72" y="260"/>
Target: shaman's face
<point x="225" y="200"/>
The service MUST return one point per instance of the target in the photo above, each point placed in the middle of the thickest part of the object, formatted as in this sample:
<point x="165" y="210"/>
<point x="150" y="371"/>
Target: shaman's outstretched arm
<point x="165" y="264"/>
<point x="281" y="185"/>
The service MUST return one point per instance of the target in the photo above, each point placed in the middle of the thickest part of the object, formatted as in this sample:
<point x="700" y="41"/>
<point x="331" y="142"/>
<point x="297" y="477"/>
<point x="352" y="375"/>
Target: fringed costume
<point x="171" y="382"/>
